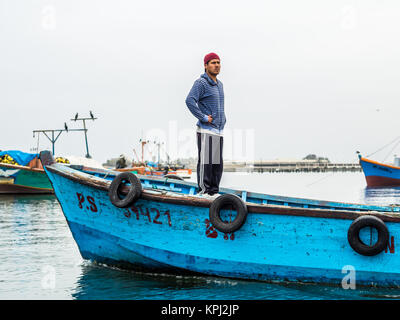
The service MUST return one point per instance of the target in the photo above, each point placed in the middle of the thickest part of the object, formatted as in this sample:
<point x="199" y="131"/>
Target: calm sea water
<point x="40" y="260"/>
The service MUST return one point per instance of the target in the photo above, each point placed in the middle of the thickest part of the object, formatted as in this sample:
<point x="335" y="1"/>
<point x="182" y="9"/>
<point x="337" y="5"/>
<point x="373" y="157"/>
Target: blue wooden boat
<point x="167" y="227"/>
<point x="379" y="174"/>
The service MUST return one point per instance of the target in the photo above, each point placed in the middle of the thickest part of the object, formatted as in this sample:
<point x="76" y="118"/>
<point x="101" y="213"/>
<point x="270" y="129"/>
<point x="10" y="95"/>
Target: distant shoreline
<point x="277" y="167"/>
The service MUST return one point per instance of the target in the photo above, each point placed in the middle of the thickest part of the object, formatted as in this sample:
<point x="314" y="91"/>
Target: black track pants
<point x="210" y="164"/>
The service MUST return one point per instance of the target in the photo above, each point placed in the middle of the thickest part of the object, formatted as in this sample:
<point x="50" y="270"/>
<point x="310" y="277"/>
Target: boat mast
<point x="85" y="130"/>
<point x="54" y="138"/>
<point x="143" y="142"/>
<point x="158" y="144"/>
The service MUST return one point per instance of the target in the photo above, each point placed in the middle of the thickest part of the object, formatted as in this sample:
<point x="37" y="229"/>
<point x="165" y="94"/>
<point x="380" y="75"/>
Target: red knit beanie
<point x="210" y="56"/>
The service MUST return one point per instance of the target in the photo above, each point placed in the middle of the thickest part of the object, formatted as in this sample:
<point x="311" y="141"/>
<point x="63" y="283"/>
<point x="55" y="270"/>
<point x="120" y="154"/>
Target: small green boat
<point x="22" y="172"/>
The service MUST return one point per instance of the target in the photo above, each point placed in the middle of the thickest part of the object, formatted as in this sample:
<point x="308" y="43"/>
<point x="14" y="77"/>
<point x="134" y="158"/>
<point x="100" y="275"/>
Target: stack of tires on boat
<point x="217" y="205"/>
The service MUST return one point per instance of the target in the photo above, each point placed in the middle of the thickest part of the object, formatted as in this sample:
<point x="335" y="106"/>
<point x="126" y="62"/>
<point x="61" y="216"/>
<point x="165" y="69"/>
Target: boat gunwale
<point x="379" y="163"/>
<point x="19" y="167"/>
<point x="252" y="194"/>
<point x="12" y="188"/>
<point x="188" y="200"/>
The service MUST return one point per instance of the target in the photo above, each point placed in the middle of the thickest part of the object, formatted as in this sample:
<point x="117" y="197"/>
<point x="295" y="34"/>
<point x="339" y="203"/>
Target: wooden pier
<point x="282" y="165"/>
<point x="291" y="166"/>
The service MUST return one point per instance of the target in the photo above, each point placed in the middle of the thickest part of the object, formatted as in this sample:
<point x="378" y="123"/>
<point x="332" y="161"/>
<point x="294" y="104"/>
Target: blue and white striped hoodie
<point x="207" y="98"/>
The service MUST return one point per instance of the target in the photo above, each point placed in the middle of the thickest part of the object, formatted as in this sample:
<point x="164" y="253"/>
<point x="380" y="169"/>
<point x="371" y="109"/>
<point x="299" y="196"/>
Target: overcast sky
<point x="299" y="77"/>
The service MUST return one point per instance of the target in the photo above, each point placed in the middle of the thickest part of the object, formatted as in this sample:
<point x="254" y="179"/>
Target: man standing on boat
<point x="206" y="102"/>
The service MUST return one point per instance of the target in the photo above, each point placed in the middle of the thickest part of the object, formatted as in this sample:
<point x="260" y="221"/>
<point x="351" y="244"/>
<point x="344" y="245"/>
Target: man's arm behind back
<point x="192" y="101"/>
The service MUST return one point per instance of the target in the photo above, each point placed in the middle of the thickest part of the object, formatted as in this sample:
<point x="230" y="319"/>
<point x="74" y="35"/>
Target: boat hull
<point x="166" y="235"/>
<point x="18" y="189"/>
<point x="116" y="252"/>
<point x="379" y="174"/>
<point x="23" y="180"/>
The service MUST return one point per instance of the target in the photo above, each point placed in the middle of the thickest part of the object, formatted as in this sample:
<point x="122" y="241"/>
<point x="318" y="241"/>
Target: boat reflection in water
<point x="97" y="282"/>
<point x="122" y="284"/>
<point x="382" y="196"/>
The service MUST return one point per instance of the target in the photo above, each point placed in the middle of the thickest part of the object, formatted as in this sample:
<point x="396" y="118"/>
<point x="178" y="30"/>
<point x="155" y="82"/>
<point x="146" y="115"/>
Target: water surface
<point x="40" y="260"/>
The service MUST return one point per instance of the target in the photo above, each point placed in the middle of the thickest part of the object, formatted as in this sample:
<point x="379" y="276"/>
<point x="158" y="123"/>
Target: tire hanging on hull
<point x="223" y="201"/>
<point x="353" y="235"/>
<point x="135" y="190"/>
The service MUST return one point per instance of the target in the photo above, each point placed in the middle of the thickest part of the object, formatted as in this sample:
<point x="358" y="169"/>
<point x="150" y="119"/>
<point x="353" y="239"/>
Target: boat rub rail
<point x="17" y="166"/>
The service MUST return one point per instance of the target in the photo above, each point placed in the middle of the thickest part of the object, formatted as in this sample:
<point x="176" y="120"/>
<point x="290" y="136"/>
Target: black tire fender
<point x="353" y="235"/>
<point x="134" y="193"/>
<point x="222" y="201"/>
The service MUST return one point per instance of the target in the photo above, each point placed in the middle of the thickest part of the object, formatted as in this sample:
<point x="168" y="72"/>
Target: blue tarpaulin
<point x="22" y="158"/>
<point x="151" y="164"/>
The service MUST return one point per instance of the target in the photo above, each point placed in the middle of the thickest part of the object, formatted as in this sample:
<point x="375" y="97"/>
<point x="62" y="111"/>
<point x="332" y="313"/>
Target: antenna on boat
<point x="143" y="142"/>
<point x="52" y="139"/>
<point x="158" y="144"/>
<point x="137" y="157"/>
<point x="166" y="153"/>
<point x="37" y="146"/>
<point x="76" y="118"/>
<point x="54" y="134"/>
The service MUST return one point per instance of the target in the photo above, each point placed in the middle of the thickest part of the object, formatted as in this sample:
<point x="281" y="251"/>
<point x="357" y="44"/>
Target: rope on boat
<point x="391" y="150"/>
<point x="383" y="147"/>
<point x="320" y="179"/>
